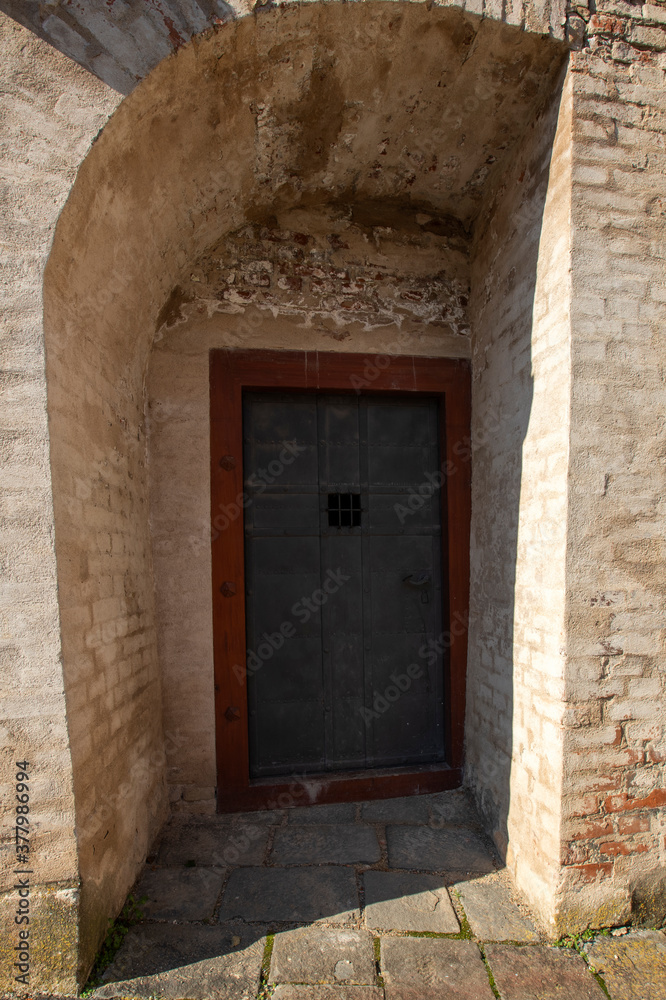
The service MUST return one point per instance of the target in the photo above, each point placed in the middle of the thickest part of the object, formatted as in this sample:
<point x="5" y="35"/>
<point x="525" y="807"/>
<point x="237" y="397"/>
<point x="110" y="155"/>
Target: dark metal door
<point x="343" y="573"/>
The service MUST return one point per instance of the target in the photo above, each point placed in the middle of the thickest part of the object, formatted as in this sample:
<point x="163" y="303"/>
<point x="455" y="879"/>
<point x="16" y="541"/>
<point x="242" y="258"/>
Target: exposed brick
<point x="633" y="824"/>
<point x="594" y="871"/>
<point x="623" y="802"/>
<point x="622" y="848"/>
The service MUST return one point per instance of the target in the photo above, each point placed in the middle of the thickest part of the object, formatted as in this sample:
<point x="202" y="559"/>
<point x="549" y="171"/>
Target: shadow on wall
<point x="120" y="43"/>
<point x="519" y="318"/>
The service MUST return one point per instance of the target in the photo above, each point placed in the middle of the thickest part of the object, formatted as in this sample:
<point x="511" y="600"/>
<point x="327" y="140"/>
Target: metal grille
<point x="344" y="510"/>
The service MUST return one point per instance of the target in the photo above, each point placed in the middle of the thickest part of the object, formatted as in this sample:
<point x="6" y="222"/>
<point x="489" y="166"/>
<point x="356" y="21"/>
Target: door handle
<point x="420" y="578"/>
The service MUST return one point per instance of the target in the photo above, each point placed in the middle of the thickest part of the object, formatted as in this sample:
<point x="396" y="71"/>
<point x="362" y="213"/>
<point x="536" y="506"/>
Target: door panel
<point x="351" y="608"/>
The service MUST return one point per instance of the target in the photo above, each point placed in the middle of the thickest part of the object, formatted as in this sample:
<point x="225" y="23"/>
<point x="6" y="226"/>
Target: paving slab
<point x="323" y="955"/>
<point x="492" y="913"/>
<point x="409" y="809"/>
<point x="342" y="844"/>
<point x="438" y="850"/>
<point x="540" y="973"/>
<point x="214" y="844"/>
<point x="273" y="816"/>
<point x="432" y="969"/>
<point x="633" y="967"/>
<point x="179" y="961"/>
<point x="297" y="895"/>
<point x="179" y="893"/>
<point x="334" y="812"/>
<point x="402" y="901"/>
<point x="452" y="808"/>
<point x="289" y="991"/>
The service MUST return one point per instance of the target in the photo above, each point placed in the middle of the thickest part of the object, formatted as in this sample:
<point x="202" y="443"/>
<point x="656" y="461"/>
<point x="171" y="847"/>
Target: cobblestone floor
<point x="402" y="899"/>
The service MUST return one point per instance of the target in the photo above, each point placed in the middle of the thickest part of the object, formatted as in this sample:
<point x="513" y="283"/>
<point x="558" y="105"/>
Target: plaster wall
<point x="521" y="344"/>
<point x="51" y="111"/>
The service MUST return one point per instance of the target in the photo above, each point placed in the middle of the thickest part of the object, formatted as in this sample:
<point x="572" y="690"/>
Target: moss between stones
<point x="377" y="948"/>
<point x="265" y="989"/>
<point x="130" y="914"/>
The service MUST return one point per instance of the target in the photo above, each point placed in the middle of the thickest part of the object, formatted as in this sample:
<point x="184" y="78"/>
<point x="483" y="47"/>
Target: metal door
<point x="343" y="555"/>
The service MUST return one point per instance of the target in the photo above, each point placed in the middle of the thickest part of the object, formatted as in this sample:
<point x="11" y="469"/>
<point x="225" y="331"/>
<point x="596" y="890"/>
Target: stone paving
<point x="400" y="899"/>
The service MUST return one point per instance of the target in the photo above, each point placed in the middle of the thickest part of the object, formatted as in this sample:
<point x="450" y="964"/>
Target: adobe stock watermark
<point x="302" y="610"/>
<point x="141" y="774"/>
<point x="374" y="365"/>
<point x="259" y="482"/>
<point x="434" y="481"/>
<point x="242" y="835"/>
<point x="430" y="651"/>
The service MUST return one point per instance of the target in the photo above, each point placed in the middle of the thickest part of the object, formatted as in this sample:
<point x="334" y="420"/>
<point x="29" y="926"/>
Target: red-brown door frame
<point x="232" y="371"/>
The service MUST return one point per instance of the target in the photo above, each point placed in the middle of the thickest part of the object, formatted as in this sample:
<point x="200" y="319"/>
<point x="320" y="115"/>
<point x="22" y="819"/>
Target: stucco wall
<point x="520" y="426"/>
<point x="51" y="112"/>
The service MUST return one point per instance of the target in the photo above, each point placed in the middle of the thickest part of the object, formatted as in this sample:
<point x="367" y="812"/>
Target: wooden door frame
<point x="232" y="372"/>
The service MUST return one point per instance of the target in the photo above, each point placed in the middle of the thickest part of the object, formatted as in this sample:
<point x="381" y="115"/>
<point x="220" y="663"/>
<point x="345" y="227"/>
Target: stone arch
<point x="408" y="113"/>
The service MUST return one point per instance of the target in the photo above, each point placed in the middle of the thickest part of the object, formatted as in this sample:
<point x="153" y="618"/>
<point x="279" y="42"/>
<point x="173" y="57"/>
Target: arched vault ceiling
<point x="382" y="109"/>
<point x="390" y="104"/>
<point x="120" y="41"/>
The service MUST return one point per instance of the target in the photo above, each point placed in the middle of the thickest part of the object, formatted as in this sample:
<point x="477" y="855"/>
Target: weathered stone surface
<point x="437" y="850"/>
<point x="292" y="992"/>
<point x="323" y="955"/>
<point x="201" y="963"/>
<point x="492" y="913"/>
<point x="180" y="894"/>
<point x="633" y="967"/>
<point x="431" y="968"/>
<point x="341" y="844"/>
<point x="93" y="39"/>
<point x="291" y="894"/>
<point x="410" y="809"/>
<point x="335" y="812"/>
<point x="52" y="942"/>
<point x="455" y="807"/>
<point x="537" y="971"/>
<point x="250" y="818"/>
<point x="402" y="901"/>
<point x="211" y="843"/>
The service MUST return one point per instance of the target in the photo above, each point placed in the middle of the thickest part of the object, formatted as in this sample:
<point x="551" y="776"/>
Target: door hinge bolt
<point x="228" y="589"/>
<point x="228" y="462"/>
<point x="232" y="714"/>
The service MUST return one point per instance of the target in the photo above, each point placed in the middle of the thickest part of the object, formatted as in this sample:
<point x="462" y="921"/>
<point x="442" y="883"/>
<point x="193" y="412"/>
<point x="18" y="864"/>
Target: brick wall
<point x="133" y="235"/>
<point x="566" y="669"/>
<point x="51" y="111"/>
<point x="520" y="421"/>
<point x="614" y="847"/>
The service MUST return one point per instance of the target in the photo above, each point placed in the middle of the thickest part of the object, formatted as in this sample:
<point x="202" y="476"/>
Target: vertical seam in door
<point x="366" y="564"/>
<point x="324" y="549"/>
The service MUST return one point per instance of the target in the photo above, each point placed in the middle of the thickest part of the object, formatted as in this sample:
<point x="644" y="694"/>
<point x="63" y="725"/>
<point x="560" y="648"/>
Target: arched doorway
<point x="297" y="122"/>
